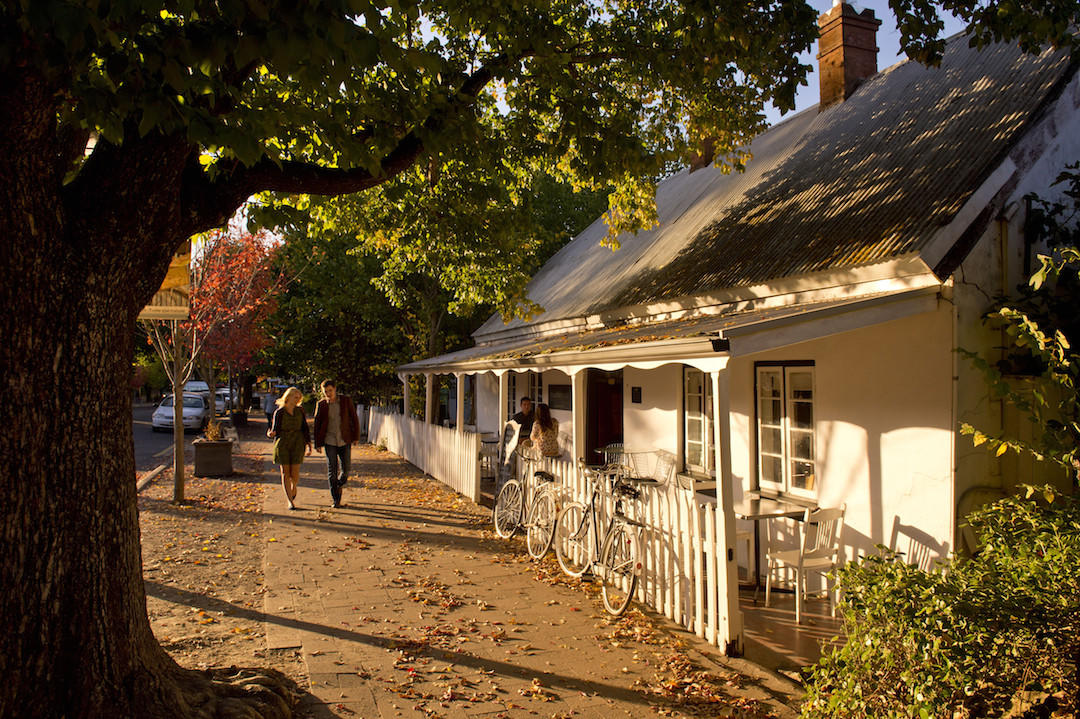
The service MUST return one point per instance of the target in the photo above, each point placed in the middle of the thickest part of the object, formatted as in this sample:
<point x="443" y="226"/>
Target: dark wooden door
<point x="603" y="411"/>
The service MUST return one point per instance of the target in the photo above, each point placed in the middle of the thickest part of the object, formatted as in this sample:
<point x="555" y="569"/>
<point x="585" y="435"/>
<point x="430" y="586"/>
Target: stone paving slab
<point x="405" y="604"/>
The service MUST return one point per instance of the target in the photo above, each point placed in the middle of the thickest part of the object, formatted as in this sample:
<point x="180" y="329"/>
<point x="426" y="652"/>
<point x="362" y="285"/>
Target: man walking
<point x="269" y="402"/>
<point x="336" y="428"/>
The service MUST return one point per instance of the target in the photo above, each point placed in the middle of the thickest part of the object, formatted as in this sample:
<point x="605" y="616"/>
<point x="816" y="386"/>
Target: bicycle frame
<point x="617" y="516"/>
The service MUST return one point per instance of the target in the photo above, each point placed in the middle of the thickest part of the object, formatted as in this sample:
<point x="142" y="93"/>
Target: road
<point x="151" y="448"/>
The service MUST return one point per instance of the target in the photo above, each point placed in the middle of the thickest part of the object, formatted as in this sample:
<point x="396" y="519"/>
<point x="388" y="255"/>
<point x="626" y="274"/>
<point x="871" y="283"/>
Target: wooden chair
<point x="819" y="545"/>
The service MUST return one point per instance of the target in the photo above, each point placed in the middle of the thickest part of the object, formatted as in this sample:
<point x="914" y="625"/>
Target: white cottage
<point x="791" y="329"/>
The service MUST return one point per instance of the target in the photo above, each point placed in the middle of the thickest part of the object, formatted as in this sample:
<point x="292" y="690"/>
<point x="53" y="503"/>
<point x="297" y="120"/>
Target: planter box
<point x="213" y="458"/>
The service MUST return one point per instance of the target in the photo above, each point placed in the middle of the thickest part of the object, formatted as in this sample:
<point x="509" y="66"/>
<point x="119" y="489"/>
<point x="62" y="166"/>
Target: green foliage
<point x="461" y="241"/>
<point x="411" y="268"/>
<point x="150" y="371"/>
<point x="977" y="637"/>
<point x="1038" y="327"/>
<point x="607" y="91"/>
<point x="330" y="321"/>
<point x="1031" y="24"/>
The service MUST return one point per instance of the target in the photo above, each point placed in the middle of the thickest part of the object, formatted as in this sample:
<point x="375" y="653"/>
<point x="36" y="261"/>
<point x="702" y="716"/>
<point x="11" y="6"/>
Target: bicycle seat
<point x="544" y="476"/>
<point x="627" y="491"/>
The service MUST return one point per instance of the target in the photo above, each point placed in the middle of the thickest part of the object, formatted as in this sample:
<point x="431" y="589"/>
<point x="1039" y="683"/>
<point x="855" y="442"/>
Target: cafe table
<point x="756" y="507"/>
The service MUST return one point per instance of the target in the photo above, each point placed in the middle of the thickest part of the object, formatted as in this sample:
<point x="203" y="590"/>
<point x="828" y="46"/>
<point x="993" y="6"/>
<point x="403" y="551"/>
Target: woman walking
<point x="545" y="432"/>
<point x="292" y="440"/>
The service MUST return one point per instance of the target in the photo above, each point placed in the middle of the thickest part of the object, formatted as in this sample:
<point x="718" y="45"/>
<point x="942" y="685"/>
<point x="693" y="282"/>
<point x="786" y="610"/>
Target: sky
<point x="888" y="41"/>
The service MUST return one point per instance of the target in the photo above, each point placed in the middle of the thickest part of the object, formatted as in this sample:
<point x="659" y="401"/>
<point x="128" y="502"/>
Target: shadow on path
<point x="507" y="669"/>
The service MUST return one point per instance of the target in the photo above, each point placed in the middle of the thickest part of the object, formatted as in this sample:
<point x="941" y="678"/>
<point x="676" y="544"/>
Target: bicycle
<point x="579" y="547"/>
<point x="539" y="521"/>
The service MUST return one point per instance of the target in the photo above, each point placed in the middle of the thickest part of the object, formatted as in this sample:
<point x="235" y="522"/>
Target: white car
<point x="222" y="401"/>
<point x="196" y="413"/>
<point x="197" y="386"/>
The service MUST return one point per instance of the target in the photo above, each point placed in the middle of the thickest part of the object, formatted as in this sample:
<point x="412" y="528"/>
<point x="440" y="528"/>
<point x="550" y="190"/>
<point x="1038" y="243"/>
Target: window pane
<point x="693" y="454"/>
<point x="802" y="445"/>
<point x="707" y="400"/>
<point x="693" y="429"/>
<point x="694" y="381"/>
<point x="769" y="411"/>
<point x="802" y="385"/>
<point x="770" y="441"/>
<point x="802" y="415"/>
<point x="772" y="470"/>
<point x="802" y="475"/>
<point x="769" y="383"/>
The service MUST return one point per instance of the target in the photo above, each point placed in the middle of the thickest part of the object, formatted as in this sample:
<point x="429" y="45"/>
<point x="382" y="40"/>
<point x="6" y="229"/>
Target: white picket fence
<point x="449" y="456"/>
<point x="681" y="576"/>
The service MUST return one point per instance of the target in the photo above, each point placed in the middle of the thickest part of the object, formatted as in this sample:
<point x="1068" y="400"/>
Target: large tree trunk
<point x="76" y="639"/>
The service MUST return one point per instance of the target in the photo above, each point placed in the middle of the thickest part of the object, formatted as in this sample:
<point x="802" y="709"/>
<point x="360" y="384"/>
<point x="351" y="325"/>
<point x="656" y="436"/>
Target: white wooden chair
<point x="819" y="544"/>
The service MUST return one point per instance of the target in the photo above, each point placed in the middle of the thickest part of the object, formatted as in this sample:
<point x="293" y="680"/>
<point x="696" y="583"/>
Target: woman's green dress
<point x="291" y="438"/>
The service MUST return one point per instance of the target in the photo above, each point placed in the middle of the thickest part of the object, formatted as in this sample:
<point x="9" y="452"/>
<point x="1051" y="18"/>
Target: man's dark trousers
<point x="337" y="469"/>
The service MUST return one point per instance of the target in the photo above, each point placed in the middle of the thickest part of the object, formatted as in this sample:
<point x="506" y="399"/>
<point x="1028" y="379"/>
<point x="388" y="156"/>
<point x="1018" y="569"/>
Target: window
<point x="536" y="387"/>
<point x="785" y="413"/>
<point x="698" y="450"/>
<point x="559" y="396"/>
<point x="511" y="395"/>
<point x="532" y="386"/>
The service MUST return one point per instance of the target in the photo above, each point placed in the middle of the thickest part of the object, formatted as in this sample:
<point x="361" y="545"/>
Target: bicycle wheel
<point x="619" y="568"/>
<point x="540" y="526"/>
<point x="507" y="511"/>
<point x="572" y="530"/>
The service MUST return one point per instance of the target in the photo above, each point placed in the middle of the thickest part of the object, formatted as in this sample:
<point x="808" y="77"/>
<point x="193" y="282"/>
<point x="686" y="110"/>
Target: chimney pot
<point x="847" y="51"/>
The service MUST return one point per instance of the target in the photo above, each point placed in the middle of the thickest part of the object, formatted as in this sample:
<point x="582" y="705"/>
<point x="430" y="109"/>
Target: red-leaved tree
<point x="233" y="283"/>
<point x="237" y="290"/>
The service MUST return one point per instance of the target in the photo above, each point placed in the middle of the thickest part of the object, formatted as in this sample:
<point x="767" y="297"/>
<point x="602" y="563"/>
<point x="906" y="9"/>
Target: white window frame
<point x="787" y="430"/>
<point x="536" y="387"/>
<point x="511" y="395"/>
<point x="699" y="407"/>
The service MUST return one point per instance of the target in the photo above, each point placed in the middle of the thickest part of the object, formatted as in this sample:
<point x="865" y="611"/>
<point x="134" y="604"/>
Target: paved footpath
<point x="405" y="604"/>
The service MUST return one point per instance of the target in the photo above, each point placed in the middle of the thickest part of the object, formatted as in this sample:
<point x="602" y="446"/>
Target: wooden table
<point x="754" y="508"/>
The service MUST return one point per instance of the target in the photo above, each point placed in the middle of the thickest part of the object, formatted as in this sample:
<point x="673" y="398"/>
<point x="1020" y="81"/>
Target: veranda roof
<point x="733" y="333"/>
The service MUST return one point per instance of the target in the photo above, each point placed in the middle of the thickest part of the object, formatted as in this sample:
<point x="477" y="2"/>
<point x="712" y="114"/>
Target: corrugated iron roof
<point x="863" y="182"/>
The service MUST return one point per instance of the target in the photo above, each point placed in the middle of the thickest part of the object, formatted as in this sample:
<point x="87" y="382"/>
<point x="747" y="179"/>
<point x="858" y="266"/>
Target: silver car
<point x="222" y="401"/>
<point x="196" y="413"/>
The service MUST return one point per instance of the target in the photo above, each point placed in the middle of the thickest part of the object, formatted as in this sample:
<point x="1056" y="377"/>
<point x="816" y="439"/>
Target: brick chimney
<point x="847" y="51"/>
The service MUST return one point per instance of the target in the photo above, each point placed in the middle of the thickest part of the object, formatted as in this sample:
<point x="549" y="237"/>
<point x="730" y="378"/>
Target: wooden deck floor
<point x="773" y="639"/>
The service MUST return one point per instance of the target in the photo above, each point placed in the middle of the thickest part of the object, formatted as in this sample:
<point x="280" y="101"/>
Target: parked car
<point x="222" y="401"/>
<point x="196" y="413"/>
<point x="197" y="386"/>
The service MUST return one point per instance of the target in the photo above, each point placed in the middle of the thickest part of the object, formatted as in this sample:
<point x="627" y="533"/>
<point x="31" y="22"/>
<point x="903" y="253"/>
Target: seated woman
<point x="545" y="432"/>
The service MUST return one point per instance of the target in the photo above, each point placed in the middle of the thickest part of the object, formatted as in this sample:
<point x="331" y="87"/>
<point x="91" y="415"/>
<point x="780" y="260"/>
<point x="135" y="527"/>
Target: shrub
<point x="982" y="637"/>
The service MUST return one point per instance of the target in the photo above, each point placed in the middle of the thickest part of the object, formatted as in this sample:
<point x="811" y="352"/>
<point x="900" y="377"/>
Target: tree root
<point x="238" y="693"/>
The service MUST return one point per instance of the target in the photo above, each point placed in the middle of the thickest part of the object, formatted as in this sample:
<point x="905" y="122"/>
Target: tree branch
<point x="210" y="203"/>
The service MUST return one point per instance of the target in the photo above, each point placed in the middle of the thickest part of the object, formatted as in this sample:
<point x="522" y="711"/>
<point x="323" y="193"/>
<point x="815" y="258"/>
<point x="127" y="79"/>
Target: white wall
<point x="564" y="417"/>
<point x="654" y="423"/>
<point x="996" y="266"/>
<point x="487" y="402"/>
<point x="884" y="428"/>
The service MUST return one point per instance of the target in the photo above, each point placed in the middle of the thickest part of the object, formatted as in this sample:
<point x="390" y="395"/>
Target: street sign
<point x="173" y="300"/>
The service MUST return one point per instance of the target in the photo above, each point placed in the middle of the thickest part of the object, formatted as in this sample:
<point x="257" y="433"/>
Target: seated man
<point x="525" y="419"/>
